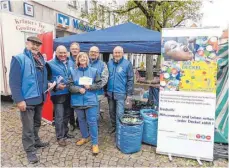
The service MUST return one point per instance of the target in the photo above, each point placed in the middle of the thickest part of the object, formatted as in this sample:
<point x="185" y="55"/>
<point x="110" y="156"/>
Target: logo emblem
<point x="63" y="21"/>
<point x="203" y="136"/>
<point x="120" y="69"/>
<point x="208" y="137"/>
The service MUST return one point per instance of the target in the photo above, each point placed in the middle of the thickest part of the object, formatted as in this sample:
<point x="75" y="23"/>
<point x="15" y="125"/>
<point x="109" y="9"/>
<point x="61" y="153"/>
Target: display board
<point x="188" y="92"/>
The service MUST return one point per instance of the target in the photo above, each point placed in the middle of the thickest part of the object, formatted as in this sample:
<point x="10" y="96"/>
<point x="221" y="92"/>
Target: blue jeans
<point x="116" y="109"/>
<point x="88" y="117"/>
<point x="98" y="113"/>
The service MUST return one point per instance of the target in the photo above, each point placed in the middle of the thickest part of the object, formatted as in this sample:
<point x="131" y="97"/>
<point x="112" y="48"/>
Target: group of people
<point x="80" y="81"/>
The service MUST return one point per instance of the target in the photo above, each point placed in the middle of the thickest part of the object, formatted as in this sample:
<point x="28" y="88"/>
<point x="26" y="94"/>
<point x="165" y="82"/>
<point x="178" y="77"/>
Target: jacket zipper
<point x="65" y="70"/>
<point x="84" y="93"/>
<point x="43" y="80"/>
<point x="114" y="81"/>
<point x="35" y="73"/>
<point x="31" y="69"/>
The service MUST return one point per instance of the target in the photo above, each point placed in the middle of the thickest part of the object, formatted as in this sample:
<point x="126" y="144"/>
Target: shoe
<point x="111" y="130"/>
<point x="41" y="144"/>
<point x="72" y="127"/>
<point x="32" y="157"/>
<point x="95" y="149"/>
<point x="69" y="136"/>
<point x="82" y="141"/>
<point x="62" y="142"/>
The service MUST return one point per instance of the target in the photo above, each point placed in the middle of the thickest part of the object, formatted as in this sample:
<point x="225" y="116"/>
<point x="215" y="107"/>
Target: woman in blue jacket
<point x="85" y="82"/>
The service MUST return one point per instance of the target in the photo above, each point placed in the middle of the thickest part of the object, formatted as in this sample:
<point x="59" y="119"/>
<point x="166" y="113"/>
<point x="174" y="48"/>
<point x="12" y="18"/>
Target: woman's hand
<point x="87" y="86"/>
<point x="82" y="90"/>
<point x="61" y="86"/>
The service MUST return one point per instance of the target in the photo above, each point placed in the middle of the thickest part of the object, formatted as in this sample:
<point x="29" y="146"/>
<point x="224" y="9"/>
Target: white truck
<point x="14" y="30"/>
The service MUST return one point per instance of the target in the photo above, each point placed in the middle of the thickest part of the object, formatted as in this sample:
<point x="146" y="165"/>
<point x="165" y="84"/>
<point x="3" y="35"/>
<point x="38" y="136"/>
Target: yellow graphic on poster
<point x="198" y="76"/>
<point x="188" y="76"/>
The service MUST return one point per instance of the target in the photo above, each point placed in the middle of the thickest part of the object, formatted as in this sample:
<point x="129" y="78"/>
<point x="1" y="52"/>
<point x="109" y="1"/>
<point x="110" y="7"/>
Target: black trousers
<point x="62" y="114"/>
<point x="72" y="117"/>
<point x="31" y="122"/>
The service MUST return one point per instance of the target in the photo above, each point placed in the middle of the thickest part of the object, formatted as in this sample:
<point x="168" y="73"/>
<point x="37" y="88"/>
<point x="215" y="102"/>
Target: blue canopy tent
<point x="133" y="38"/>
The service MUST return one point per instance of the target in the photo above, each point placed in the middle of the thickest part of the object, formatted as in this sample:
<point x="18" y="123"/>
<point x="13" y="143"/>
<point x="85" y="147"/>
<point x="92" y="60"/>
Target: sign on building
<point x="72" y="24"/>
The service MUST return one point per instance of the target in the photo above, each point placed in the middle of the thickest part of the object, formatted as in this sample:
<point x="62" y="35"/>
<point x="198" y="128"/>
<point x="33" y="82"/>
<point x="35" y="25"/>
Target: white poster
<point x="186" y="124"/>
<point x="188" y="93"/>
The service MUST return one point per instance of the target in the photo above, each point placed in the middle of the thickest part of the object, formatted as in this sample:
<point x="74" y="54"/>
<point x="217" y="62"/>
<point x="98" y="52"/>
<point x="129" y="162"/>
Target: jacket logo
<point x="119" y="69"/>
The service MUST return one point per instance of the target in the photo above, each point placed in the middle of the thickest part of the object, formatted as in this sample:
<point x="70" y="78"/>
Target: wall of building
<point x="46" y="11"/>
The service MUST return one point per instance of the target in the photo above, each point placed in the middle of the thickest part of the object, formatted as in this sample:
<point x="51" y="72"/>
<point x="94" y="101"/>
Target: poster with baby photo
<point x="192" y="48"/>
<point x="200" y="47"/>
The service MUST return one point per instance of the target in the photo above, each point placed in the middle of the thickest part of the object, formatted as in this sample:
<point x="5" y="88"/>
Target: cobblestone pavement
<point x="12" y="153"/>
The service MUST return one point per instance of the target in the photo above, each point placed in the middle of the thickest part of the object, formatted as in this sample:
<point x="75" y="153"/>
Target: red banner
<point x="47" y="51"/>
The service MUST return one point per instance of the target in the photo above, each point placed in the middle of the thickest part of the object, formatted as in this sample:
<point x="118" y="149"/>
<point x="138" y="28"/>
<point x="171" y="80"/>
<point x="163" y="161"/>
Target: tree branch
<point x="159" y="23"/>
<point x="164" y="18"/>
<point x="125" y="11"/>
<point x="178" y="23"/>
<point x="174" y="10"/>
<point x="142" y="8"/>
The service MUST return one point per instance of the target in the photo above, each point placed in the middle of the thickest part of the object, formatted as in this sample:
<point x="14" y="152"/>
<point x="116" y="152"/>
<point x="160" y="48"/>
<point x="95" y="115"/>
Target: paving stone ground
<point x="13" y="155"/>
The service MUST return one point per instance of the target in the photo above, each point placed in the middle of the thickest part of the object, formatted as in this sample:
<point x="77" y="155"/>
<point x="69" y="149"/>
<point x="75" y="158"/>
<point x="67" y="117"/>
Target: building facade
<point x="66" y="16"/>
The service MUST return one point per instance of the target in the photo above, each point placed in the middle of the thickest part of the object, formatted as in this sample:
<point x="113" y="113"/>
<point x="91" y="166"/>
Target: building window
<point x="109" y="18"/>
<point x="72" y="3"/>
<point x="94" y="4"/>
<point x="114" y="19"/>
<point x="86" y="6"/>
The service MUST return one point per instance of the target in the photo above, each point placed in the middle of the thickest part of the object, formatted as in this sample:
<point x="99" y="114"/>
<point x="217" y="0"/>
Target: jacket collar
<point x="30" y="54"/>
<point x="118" y="61"/>
<point x="57" y="59"/>
<point x="94" y="61"/>
<point x="83" y="69"/>
<point x="71" y="57"/>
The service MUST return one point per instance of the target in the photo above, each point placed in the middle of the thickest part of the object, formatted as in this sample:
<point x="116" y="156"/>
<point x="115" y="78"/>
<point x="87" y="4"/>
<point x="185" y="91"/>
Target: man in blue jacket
<point x="28" y="82"/>
<point x="74" y="51"/>
<point x="120" y="85"/>
<point x="60" y="97"/>
<point x="101" y="67"/>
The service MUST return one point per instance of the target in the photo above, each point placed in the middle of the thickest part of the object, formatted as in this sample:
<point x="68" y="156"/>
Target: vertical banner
<point x="187" y="97"/>
<point x="47" y="51"/>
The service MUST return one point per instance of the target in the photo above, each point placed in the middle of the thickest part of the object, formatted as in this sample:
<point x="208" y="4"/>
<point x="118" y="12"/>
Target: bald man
<point x="120" y="85"/>
<point x="60" y="96"/>
<point x="101" y="67"/>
